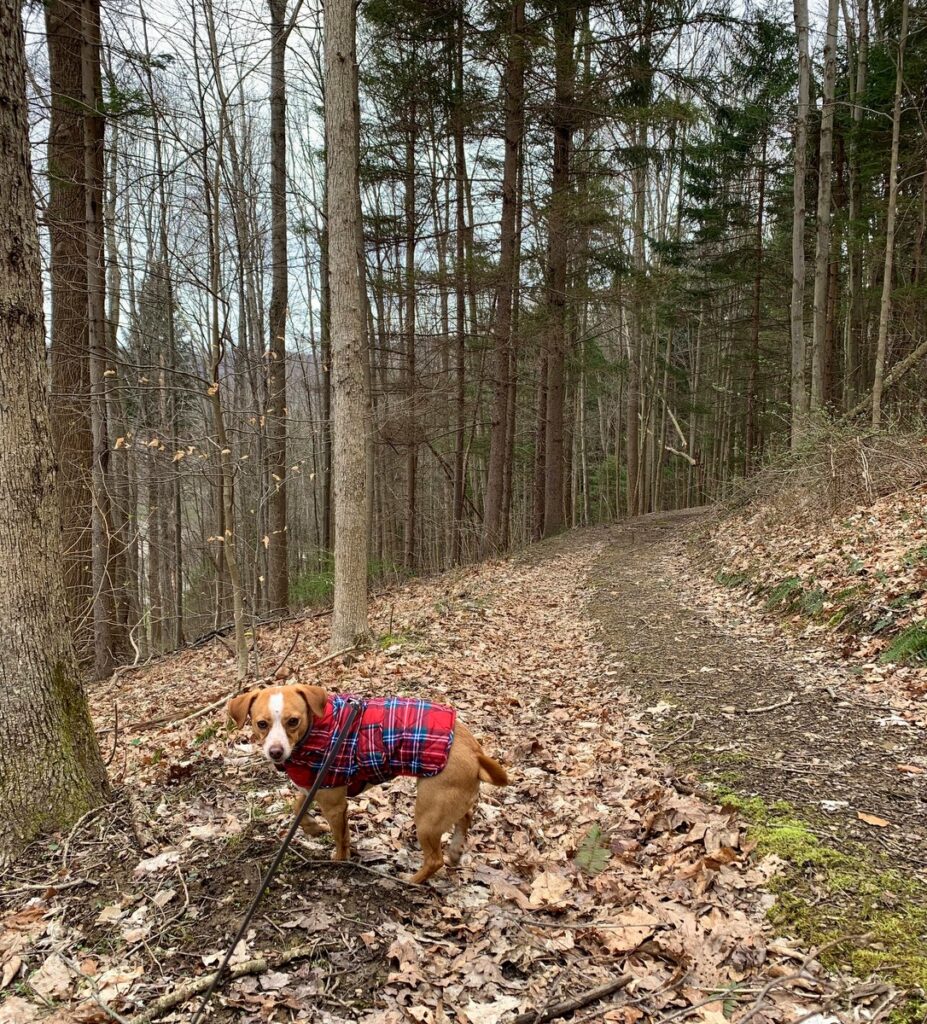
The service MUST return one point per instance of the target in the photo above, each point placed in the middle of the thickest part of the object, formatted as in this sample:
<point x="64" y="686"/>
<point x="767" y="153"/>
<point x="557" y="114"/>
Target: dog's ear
<point x="239" y="707"/>
<point x="316" y="697"/>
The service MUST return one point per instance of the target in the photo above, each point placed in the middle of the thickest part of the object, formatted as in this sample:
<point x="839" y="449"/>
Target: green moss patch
<point x="829" y="897"/>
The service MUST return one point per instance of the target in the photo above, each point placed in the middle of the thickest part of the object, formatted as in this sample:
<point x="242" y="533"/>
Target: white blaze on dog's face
<point x="280" y="716"/>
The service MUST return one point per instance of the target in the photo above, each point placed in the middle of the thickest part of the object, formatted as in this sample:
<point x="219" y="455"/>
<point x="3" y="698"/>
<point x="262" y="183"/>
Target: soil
<point x="750" y="708"/>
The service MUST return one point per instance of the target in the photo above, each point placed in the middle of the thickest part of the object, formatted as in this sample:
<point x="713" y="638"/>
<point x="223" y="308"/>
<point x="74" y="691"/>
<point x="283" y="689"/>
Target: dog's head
<point x="280" y="716"/>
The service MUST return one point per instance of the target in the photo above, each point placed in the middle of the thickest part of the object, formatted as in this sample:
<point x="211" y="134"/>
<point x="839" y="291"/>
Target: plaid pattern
<point x="391" y="736"/>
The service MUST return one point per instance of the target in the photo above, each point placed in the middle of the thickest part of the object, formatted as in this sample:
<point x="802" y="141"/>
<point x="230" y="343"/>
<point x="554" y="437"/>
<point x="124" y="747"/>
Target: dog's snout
<point x="276" y="752"/>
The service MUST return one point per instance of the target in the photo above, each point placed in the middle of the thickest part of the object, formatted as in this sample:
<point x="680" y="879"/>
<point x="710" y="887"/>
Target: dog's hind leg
<point x="438" y="808"/>
<point x="455" y="847"/>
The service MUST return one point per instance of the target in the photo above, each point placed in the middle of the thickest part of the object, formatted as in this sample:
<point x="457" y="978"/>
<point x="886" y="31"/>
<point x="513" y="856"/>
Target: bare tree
<point x="800" y="158"/>
<point x="885" y="308"/>
<point x="350" y="389"/>
<point x="822" y="357"/>
<point x="58" y="775"/>
<point x="276" y="414"/>
<point x="514" y="85"/>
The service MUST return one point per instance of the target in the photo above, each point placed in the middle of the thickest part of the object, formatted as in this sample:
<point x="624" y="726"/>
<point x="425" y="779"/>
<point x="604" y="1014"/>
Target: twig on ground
<point x="770" y="707"/>
<point x="112" y="753"/>
<point x="256" y="966"/>
<point x="332" y="656"/>
<point x="283" y="660"/>
<point x="593" y="995"/>
<point x="77" y="824"/>
<point x="94" y="990"/>
<point x="42" y="886"/>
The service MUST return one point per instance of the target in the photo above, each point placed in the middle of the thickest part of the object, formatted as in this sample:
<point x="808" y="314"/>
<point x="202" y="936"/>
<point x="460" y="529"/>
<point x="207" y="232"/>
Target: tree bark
<point x="349" y="371"/>
<point x="103" y="604"/>
<point x="822" y="359"/>
<point x="558" y="259"/>
<point x="514" y="86"/>
<point x="750" y="430"/>
<point x="58" y="774"/>
<point x="885" y="309"/>
<point x="797" y="317"/>
<point x="853" y="374"/>
<point x="278" y="582"/>
<point x="70" y="395"/>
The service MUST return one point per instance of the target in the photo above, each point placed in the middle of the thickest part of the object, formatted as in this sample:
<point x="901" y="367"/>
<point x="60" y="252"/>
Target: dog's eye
<point x="262" y="725"/>
<point x="293" y="722"/>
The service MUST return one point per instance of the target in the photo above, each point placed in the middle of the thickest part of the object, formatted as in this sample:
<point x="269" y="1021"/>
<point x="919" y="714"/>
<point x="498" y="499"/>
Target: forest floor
<point x="704" y="812"/>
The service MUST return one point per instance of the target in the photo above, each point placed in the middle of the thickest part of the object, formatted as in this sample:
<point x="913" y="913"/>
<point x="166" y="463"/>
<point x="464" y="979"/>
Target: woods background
<point x="615" y="256"/>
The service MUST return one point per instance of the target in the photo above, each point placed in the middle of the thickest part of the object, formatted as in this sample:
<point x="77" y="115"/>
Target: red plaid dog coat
<point x="391" y="736"/>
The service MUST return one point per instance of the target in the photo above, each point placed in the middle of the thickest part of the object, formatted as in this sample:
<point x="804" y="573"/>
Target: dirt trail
<point x="758" y="714"/>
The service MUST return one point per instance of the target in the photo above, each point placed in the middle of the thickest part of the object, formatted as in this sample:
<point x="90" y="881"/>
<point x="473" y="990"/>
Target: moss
<point x="824" y="895"/>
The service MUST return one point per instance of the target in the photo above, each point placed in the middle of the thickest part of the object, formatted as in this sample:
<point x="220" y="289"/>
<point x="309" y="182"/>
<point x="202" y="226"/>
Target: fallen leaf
<point x="872" y="819"/>
<point x="490" y="1013"/>
<point x="10" y="970"/>
<point x="549" y="890"/>
<point x="52" y="980"/>
<point x="17" y="1010"/>
<point x="151" y="865"/>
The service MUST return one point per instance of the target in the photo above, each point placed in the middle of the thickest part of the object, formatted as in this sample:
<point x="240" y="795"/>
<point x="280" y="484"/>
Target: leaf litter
<point x="589" y="866"/>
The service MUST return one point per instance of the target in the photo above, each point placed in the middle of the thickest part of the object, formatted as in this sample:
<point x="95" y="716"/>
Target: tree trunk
<point x="751" y="416"/>
<point x="460" y="233"/>
<point x="822" y="359"/>
<point x="58" y="774"/>
<point x="410" y="368"/>
<point x="70" y="398"/>
<point x="797" y="318"/>
<point x="349" y="371"/>
<point x="278" y="583"/>
<point x="514" y="85"/>
<point x="558" y="259"/>
<point x="853" y="375"/>
<point x="635" y="333"/>
<point x="885" y="309"/>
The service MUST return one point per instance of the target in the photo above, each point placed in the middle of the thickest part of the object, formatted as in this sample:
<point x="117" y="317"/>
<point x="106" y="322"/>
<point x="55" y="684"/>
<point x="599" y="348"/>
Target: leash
<point x="272" y="870"/>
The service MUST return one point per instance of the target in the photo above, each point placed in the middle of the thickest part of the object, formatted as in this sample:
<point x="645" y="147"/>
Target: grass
<point x="829" y="897"/>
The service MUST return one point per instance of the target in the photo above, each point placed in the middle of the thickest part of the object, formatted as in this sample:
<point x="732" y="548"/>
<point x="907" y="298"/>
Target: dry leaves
<point x="589" y="865"/>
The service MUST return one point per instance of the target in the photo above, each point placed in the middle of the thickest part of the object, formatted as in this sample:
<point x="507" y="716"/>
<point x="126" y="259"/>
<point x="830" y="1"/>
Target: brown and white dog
<point x="294" y="724"/>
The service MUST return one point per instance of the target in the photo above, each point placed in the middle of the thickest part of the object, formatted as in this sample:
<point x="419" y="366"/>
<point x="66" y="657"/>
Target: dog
<point x="295" y="726"/>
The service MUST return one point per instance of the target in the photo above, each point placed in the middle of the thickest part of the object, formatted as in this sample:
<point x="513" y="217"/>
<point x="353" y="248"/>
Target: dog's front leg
<point x="309" y="824"/>
<point x="334" y="805"/>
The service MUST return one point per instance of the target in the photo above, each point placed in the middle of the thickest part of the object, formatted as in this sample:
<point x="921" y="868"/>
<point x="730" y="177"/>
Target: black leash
<point x="271" y="871"/>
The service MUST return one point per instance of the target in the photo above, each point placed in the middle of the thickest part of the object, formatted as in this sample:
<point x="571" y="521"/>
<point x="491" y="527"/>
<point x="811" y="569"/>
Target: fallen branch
<point x="283" y="660"/>
<point x="898" y="371"/>
<point x="592" y="995"/>
<point x="257" y="966"/>
<point x="42" y="886"/>
<point x="682" y="455"/>
<point x="332" y="656"/>
<point x="770" y="707"/>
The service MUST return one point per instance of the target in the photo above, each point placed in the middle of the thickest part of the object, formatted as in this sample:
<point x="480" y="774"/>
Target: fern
<point x="592" y="855"/>
<point x="909" y="645"/>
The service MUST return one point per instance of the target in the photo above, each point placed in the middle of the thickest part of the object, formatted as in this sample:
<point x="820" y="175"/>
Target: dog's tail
<point x="491" y="770"/>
